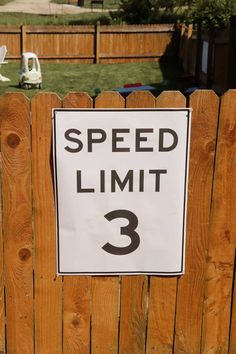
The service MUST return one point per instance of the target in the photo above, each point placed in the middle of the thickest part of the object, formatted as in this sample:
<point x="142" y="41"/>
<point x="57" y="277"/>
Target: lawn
<point x="18" y="19"/>
<point x="90" y="17"/>
<point x="4" y="2"/>
<point x="94" y="78"/>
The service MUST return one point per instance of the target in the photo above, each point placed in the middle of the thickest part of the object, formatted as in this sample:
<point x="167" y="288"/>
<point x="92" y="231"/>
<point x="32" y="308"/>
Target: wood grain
<point x="105" y="320"/>
<point x="77" y="290"/>
<point x="17" y="216"/>
<point x="161" y="313"/>
<point x="191" y="286"/>
<point x="86" y="44"/>
<point x="133" y="314"/>
<point x="48" y="287"/>
<point x="77" y="100"/>
<point x="2" y="298"/>
<point x="76" y="315"/>
<point x="140" y="99"/>
<point x="221" y="256"/>
<point x="134" y="294"/>
<point x="232" y="338"/>
<point x="105" y="290"/>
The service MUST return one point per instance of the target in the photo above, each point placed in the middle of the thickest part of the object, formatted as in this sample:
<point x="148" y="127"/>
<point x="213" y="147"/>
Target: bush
<point x="212" y="14"/>
<point x="149" y="11"/>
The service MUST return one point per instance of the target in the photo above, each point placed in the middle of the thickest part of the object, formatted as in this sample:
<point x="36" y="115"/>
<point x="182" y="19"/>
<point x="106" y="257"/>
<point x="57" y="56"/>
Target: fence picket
<point x="105" y="290"/>
<point x="134" y="288"/>
<point x="17" y="216"/>
<point x="191" y="285"/>
<point x="48" y="287"/>
<point x="232" y="338"/>
<point x="77" y="100"/>
<point x="140" y="99"/>
<point x="221" y="256"/>
<point x="90" y="44"/>
<point x="161" y="313"/>
<point x="2" y="299"/>
<point x="77" y="290"/>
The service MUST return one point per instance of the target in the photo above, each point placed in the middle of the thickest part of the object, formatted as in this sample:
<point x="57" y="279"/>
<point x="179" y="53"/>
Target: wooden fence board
<point x="105" y="320"/>
<point x="232" y="341"/>
<point x="133" y="314"/>
<point x="48" y="287"/>
<point x="76" y="315"/>
<point x="134" y="294"/>
<point x="161" y="312"/>
<point x="140" y="99"/>
<point x="77" y="100"/>
<point x="86" y="44"/>
<point x="105" y="290"/>
<point x="17" y="216"/>
<point x="2" y="299"/>
<point x="109" y="99"/>
<point x="77" y="290"/>
<point x="191" y="285"/>
<point x="221" y="256"/>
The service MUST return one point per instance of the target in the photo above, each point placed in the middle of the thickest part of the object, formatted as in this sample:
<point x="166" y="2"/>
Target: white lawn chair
<point x="3" y="52"/>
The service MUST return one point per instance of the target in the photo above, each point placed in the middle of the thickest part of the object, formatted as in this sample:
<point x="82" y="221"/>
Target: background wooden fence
<point x="209" y="56"/>
<point x="44" y="314"/>
<point x="90" y="44"/>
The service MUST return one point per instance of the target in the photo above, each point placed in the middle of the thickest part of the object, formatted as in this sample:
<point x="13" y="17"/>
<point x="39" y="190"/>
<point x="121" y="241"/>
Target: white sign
<point x="121" y="190"/>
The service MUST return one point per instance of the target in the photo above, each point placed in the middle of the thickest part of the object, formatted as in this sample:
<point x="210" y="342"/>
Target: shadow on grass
<point x="173" y="77"/>
<point x="171" y="68"/>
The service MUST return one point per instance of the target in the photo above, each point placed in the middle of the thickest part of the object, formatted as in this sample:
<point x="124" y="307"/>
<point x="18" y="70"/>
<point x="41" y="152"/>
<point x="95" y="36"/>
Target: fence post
<point x="23" y="38"/>
<point x="231" y="75"/>
<point x="199" y="54"/>
<point x="209" y="59"/>
<point x="97" y="42"/>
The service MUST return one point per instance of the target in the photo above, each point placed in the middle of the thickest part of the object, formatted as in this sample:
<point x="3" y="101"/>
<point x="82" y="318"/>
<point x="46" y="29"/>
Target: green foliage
<point x="4" y="2"/>
<point x="212" y="14"/>
<point x="149" y="11"/>
<point x="137" y="11"/>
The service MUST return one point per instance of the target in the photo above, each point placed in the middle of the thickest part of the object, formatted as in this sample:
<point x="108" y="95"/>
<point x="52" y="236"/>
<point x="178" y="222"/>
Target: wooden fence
<point x="188" y="49"/>
<point x="42" y="313"/>
<point x="210" y="56"/>
<point x="90" y="44"/>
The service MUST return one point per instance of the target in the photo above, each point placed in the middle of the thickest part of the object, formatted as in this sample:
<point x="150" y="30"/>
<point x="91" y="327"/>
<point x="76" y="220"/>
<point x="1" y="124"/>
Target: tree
<point x="137" y="11"/>
<point x="148" y="11"/>
<point x="212" y="14"/>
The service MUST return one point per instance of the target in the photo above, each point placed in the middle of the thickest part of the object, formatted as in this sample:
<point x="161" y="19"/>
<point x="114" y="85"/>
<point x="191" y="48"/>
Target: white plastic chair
<point x="3" y="52"/>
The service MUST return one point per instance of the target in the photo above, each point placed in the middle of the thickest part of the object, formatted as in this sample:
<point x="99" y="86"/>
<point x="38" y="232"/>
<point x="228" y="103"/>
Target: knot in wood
<point x="210" y="147"/>
<point x="24" y="254"/>
<point x="75" y="322"/>
<point x="13" y="140"/>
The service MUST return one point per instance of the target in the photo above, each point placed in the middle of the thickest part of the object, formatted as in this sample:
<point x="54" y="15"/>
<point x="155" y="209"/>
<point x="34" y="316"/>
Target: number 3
<point x="128" y="230"/>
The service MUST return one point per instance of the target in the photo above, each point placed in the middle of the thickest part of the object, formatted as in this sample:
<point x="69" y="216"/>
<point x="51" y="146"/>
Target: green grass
<point x="4" y="2"/>
<point x="18" y="19"/>
<point x="94" y="78"/>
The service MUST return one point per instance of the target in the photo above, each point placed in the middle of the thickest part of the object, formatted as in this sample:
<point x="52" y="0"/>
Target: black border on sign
<point x="136" y="272"/>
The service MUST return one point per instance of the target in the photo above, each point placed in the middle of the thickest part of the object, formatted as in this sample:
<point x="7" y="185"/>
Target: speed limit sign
<point x="121" y="190"/>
